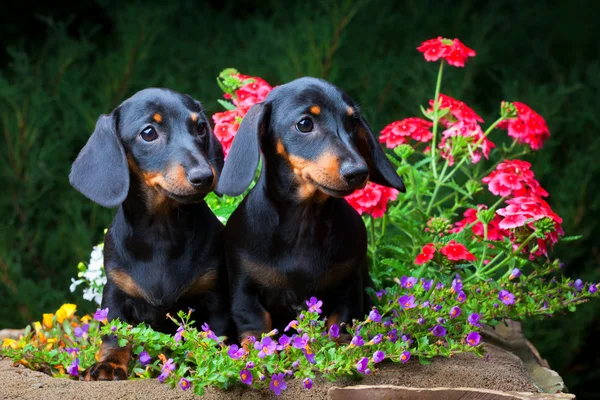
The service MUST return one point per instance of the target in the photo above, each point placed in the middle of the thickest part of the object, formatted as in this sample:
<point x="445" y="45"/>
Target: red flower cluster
<point x="372" y="199"/>
<point x="399" y="132"/>
<point x="522" y="211"/>
<point x="426" y="255"/>
<point x="453" y="51"/>
<point x="495" y="233"/>
<point x="227" y="123"/>
<point x="458" y="110"/>
<point x="453" y="251"/>
<point x="514" y="178"/>
<point x="529" y="127"/>
<point x="478" y="143"/>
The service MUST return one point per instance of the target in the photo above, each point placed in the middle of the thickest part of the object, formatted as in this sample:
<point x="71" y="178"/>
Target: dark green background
<point x="62" y="67"/>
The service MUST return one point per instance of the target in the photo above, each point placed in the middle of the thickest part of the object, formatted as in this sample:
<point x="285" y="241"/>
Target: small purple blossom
<point x="334" y="331"/>
<point x="378" y="356"/>
<point x="72" y="350"/>
<point x="266" y="347"/>
<point x="246" y="377"/>
<point x="380" y="293"/>
<point x="473" y="319"/>
<point x="473" y="338"/>
<point x="437" y="307"/>
<point x="426" y="303"/>
<point x="184" y="384"/>
<point x="145" y="358"/>
<point x="405" y="356"/>
<point x="285" y="342"/>
<point x="478" y="290"/>
<point x="461" y="297"/>
<point x="506" y="297"/>
<point x="357" y="341"/>
<point x="496" y="305"/>
<point x="593" y="288"/>
<point x="73" y="369"/>
<point x="426" y="284"/>
<point x="421" y="321"/>
<point x="209" y="334"/>
<point x="439" y="286"/>
<point x="438" y="331"/>
<point x="167" y="368"/>
<point x="387" y="323"/>
<point x="374" y="316"/>
<point x="515" y="273"/>
<point x="250" y="365"/>
<point x="293" y="324"/>
<point x="362" y="365"/>
<point x="314" y="305"/>
<point x="101" y="315"/>
<point x="579" y="285"/>
<point x="235" y="352"/>
<point x="300" y="342"/>
<point x="441" y="320"/>
<point x="407" y="301"/>
<point x="408" y="282"/>
<point x="81" y="331"/>
<point x="307" y="383"/>
<point x="392" y="336"/>
<point x="376" y="339"/>
<point x="179" y="333"/>
<point x="457" y="285"/>
<point x="277" y="384"/>
<point x="113" y="328"/>
<point x="406" y="338"/>
<point x="310" y="356"/>
<point x="454" y="312"/>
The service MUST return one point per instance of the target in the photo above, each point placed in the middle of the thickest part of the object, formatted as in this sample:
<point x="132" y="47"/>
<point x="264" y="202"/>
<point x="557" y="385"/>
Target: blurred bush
<point x="63" y="67"/>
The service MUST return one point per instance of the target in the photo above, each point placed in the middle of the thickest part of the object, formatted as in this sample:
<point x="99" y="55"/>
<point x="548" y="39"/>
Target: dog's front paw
<point x="105" y="371"/>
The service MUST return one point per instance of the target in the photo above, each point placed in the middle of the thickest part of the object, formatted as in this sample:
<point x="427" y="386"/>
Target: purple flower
<point x="179" y="333"/>
<point x="405" y="356"/>
<point x="426" y="284"/>
<point x="408" y="282"/>
<point x="362" y="365"/>
<point x="579" y="285"/>
<point x="392" y="336"/>
<point x="473" y="319"/>
<point x="235" y="352"/>
<point x="374" y="316"/>
<point x="406" y="338"/>
<point x="72" y="350"/>
<point x="461" y="297"/>
<point x="300" y="342"/>
<point x="457" y="285"/>
<point x="113" y="328"/>
<point x="261" y="377"/>
<point x="515" y="273"/>
<point x="441" y="320"/>
<point x="334" y="331"/>
<point x="380" y="293"/>
<point x="292" y="324"/>
<point x="184" y="384"/>
<point x="439" y="286"/>
<point x="473" y="338"/>
<point x="81" y="331"/>
<point x="209" y="334"/>
<point x="277" y="383"/>
<point x="495" y="305"/>
<point x="407" y="302"/>
<point x="163" y="376"/>
<point x="73" y="369"/>
<point x="145" y="358"/>
<point x="295" y="364"/>
<point x="438" y="331"/>
<point x="387" y="323"/>
<point x="593" y="288"/>
<point x="307" y="383"/>
<point x="169" y="365"/>
<point x="377" y="339"/>
<point x="357" y="341"/>
<point x="478" y="290"/>
<point x="506" y="297"/>
<point x="101" y="315"/>
<point x="421" y="321"/>
<point x="266" y="347"/>
<point x="314" y="305"/>
<point x="378" y="356"/>
<point x="437" y="307"/>
<point x="285" y="342"/>
<point x="309" y="355"/>
<point x="454" y="312"/>
<point x="250" y="365"/>
<point x="425" y="304"/>
<point x="246" y="376"/>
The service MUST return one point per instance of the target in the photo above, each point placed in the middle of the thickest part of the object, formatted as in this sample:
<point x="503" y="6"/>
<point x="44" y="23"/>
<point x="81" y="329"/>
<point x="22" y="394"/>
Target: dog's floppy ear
<point x="244" y="154"/>
<point x="100" y="171"/>
<point x="381" y="170"/>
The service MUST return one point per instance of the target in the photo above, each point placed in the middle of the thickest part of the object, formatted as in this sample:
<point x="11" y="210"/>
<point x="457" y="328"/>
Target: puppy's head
<point x="316" y="131"/>
<point x="160" y="136"/>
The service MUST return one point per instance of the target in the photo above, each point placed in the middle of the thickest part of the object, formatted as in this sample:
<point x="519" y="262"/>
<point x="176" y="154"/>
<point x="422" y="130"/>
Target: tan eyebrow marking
<point x="194" y="116"/>
<point x="350" y="111"/>
<point x="157" y="117"/>
<point x="316" y="110"/>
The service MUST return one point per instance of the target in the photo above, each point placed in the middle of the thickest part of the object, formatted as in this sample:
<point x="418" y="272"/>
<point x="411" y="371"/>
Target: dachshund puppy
<point x="294" y="236"/>
<point x="156" y="158"/>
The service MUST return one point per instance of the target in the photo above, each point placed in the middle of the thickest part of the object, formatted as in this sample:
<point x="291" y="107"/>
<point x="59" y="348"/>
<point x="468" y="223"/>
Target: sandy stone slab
<point x="503" y="371"/>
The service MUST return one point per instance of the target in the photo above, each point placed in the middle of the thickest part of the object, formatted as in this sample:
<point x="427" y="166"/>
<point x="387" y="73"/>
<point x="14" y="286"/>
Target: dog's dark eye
<point x="202" y="129"/>
<point x="305" y="125"/>
<point x="149" y="134"/>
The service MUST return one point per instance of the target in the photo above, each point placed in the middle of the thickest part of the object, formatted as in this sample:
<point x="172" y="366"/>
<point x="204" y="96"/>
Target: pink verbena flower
<point x="477" y="143"/>
<point x="514" y="178"/>
<point x="528" y="127"/>
<point x="451" y="50"/>
<point x="372" y="199"/>
<point x="399" y="132"/>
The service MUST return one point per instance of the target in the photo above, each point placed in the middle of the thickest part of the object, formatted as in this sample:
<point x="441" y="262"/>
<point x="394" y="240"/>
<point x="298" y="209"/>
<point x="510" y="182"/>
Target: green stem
<point x="373" y="242"/>
<point x="436" y="117"/>
<point x="438" y="184"/>
<point x="384" y="224"/>
<point x="485" y="238"/>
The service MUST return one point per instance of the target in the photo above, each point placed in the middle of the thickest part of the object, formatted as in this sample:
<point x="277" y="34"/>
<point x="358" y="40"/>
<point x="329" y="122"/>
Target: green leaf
<point x="226" y="105"/>
<point x="571" y="238"/>
<point x="424" y="361"/>
<point x="123" y="342"/>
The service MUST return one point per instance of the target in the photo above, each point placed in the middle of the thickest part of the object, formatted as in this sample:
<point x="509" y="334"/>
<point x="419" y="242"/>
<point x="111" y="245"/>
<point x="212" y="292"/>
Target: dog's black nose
<point x="355" y="174"/>
<point x="200" y="177"/>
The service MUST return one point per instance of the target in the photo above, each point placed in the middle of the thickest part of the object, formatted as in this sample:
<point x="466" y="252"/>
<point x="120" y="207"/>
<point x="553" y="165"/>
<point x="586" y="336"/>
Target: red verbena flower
<point x="227" y="124"/>
<point x="495" y="233"/>
<point x="251" y="93"/>
<point x="514" y="177"/>
<point x="459" y="111"/>
<point x="453" y="51"/>
<point x="477" y="143"/>
<point x="455" y="251"/>
<point x="528" y="127"/>
<point x="426" y="254"/>
<point x="399" y="132"/>
<point x="372" y="199"/>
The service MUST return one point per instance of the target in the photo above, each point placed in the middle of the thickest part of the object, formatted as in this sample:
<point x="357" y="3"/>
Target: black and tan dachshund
<point x="294" y="236"/>
<point x="156" y="157"/>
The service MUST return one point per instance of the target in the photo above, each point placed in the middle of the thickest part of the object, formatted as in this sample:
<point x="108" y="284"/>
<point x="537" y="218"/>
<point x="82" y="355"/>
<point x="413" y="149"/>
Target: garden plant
<point x="443" y="262"/>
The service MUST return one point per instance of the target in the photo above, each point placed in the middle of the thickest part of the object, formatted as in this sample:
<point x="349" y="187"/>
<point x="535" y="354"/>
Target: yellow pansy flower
<point x="12" y="343"/>
<point x="66" y="311"/>
<point x="37" y="326"/>
<point x="85" y="319"/>
<point x="47" y="320"/>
